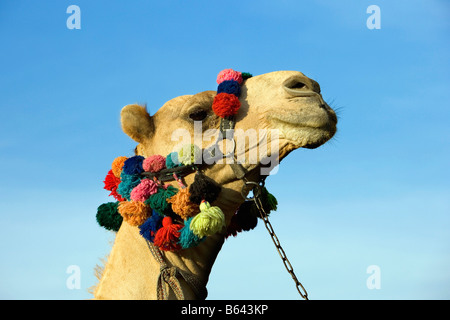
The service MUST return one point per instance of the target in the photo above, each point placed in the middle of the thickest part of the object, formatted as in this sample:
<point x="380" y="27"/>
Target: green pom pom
<point x="158" y="200"/>
<point x="268" y="200"/>
<point x="246" y="75"/>
<point x="108" y="217"/>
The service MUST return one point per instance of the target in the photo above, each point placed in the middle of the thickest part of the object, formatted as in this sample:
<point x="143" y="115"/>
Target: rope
<point x="169" y="275"/>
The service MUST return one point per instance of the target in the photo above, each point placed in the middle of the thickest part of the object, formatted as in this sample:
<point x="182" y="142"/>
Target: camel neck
<point x="132" y="272"/>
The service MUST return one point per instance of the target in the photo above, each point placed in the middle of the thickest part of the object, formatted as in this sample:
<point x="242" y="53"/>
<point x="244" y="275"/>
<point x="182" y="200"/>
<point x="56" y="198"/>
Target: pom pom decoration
<point x="143" y="190"/>
<point x="149" y="228"/>
<point x="166" y="238"/>
<point x="111" y="183"/>
<point x="187" y="238"/>
<point x="246" y="216"/>
<point x="128" y="182"/>
<point x="134" y="212"/>
<point x="229" y="86"/>
<point x="209" y="221"/>
<point x="189" y="154"/>
<point x="154" y="163"/>
<point x="246" y="75"/>
<point x="233" y="228"/>
<point x="229" y="74"/>
<point x="108" y="217"/>
<point x="203" y="188"/>
<point x="117" y="165"/>
<point x="154" y="206"/>
<point x="181" y="204"/>
<point x="226" y="105"/>
<point x="172" y="160"/>
<point x="133" y="165"/>
<point x="268" y="201"/>
<point x="158" y="201"/>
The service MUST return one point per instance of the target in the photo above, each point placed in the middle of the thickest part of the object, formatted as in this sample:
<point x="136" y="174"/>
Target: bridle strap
<point x="169" y="275"/>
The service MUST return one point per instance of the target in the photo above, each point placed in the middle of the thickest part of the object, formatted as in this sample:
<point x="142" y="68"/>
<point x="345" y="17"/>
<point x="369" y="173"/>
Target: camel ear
<point x="136" y="122"/>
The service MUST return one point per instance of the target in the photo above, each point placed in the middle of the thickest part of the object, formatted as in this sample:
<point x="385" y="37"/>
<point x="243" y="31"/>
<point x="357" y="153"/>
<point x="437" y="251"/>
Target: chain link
<point x="287" y="264"/>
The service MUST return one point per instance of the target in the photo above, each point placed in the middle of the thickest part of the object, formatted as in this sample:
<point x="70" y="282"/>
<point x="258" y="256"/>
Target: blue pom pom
<point x="128" y="182"/>
<point x="133" y="165"/>
<point x="172" y="160"/>
<point x="230" y="86"/>
<point x="150" y="226"/>
<point x="187" y="238"/>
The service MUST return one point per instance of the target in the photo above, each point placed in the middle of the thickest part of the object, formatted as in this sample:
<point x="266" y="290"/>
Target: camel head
<point x="268" y="116"/>
<point x="285" y="104"/>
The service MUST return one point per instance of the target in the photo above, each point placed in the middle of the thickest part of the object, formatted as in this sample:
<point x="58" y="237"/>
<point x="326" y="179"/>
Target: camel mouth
<point x="301" y="134"/>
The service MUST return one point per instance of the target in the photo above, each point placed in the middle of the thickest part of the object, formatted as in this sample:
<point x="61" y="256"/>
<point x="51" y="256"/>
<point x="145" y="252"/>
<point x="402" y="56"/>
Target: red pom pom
<point x="166" y="238"/>
<point x="111" y="184"/>
<point x="226" y="105"/>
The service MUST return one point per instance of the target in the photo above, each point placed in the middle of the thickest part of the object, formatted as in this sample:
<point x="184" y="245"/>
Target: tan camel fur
<point x="284" y="100"/>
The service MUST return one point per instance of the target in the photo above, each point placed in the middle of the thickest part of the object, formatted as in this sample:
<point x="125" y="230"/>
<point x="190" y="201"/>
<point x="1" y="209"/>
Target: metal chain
<point x="257" y="199"/>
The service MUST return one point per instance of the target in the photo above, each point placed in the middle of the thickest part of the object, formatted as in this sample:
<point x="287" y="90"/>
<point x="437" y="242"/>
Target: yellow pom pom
<point x="117" y="165"/>
<point x="190" y="154"/>
<point x="209" y="221"/>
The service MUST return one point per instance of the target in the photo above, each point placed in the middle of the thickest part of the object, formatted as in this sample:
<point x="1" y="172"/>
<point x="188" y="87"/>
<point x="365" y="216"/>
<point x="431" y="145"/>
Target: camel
<point x="287" y="101"/>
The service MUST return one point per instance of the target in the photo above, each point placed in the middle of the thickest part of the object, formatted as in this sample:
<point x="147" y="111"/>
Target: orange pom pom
<point x="117" y="165"/>
<point x="181" y="204"/>
<point x="134" y="212"/>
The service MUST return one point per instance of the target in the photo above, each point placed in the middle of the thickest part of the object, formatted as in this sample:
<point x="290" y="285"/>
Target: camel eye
<point x="198" y="115"/>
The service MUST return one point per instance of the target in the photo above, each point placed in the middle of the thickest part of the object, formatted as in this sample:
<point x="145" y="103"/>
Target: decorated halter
<point x="178" y="218"/>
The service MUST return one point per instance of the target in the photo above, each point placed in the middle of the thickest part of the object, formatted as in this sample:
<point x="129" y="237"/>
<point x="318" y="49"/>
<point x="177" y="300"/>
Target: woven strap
<point x="169" y="275"/>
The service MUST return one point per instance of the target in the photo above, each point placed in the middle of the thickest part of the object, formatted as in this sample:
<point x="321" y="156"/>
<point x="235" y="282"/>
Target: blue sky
<point x="377" y="194"/>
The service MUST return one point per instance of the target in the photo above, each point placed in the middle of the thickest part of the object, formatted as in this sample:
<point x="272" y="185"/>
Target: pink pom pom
<point x="154" y="163"/>
<point x="143" y="190"/>
<point x="229" y="74"/>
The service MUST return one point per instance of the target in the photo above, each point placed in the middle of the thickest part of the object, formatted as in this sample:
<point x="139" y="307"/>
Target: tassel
<point x="108" y="217"/>
<point x="128" y="182"/>
<point x="181" y="204"/>
<point x="154" y="163"/>
<point x="233" y="228"/>
<point x="189" y="154"/>
<point x="111" y="183"/>
<point x="143" y="190"/>
<point x="187" y="238"/>
<point x="133" y="165"/>
<point x="246" y="216"/>
<point x="209" y="221"/>
<point x="166" y="238"/>
<point x="172" y="160"/>
<point x="158" y="201"/>
<point x="117" y="165"/>
<point x="203" y="188"/>
<point x="134" y="212"/>
<point x="149" y="228"/>
<point x="268" y="200"/>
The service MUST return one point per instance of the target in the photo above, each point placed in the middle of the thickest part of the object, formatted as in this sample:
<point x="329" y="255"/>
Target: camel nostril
<point x="296" y="85"/>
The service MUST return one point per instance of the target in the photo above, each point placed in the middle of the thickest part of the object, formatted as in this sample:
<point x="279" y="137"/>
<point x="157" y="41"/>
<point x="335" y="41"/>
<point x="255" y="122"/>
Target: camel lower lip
<point x="301" y="125"/>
